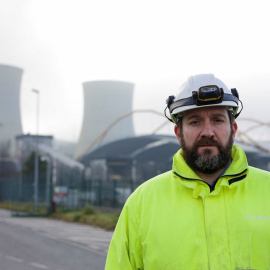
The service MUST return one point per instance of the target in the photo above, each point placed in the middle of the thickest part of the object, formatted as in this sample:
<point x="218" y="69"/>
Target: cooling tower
<point x="10" y="116"/>
<point x="104" y="103"/>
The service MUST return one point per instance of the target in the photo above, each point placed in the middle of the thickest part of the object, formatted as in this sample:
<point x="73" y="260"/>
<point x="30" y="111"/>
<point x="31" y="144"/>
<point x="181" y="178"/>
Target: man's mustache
<point x="206" y="141"/>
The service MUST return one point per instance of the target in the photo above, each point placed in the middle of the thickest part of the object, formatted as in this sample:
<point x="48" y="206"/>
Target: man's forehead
<point x="222" y="110"/>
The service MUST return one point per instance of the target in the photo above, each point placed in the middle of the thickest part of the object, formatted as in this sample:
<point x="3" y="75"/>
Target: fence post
<point x="114" y="193"/>
<point x="131" y="185"/>
<point x="100" y="192"/>
<point x="90" y="193"/>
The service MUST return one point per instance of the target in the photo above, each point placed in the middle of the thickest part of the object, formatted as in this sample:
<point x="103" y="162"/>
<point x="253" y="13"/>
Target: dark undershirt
<point x="212" y="185"/>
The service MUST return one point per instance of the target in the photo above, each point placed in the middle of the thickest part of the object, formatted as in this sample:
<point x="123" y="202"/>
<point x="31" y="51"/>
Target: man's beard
<point x="205" y="162"/>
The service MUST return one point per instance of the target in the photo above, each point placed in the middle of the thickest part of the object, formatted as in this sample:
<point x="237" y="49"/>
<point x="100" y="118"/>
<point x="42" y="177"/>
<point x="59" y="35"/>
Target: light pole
<point x="36" y="154"/>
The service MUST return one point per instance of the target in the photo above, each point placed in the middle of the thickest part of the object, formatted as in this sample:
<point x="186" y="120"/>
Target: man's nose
<point x="207" y="130"/>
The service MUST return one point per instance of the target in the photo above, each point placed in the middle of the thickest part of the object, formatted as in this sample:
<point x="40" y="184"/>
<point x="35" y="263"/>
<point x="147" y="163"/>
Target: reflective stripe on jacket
<point x="174" y="222"/>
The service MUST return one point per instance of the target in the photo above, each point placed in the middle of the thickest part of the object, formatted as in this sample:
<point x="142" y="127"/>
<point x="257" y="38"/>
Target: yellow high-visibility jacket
<point x="174" y="222"/>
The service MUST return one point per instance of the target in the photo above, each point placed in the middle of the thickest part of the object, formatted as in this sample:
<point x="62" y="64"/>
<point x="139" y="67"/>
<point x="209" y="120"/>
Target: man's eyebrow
<point x="193" y="116"/>
<point x="219" y="114"/>
<point x="198" y="115"/>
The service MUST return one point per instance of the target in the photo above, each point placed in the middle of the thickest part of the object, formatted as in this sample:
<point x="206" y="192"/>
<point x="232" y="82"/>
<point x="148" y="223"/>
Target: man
<point x="212" y="210"/>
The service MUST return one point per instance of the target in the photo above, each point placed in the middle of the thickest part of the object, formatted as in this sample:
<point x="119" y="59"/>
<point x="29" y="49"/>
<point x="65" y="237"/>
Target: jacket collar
<point x="239" y="162"/>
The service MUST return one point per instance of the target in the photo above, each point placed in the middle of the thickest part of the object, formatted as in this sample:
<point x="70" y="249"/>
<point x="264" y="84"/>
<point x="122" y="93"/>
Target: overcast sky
<point x="154" y="44"/>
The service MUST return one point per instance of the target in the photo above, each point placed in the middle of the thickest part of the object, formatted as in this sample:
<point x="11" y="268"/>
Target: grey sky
<point x="153" y="44"/>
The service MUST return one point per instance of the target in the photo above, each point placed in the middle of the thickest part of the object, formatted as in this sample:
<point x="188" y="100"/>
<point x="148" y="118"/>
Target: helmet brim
<point x="192" y="107"/>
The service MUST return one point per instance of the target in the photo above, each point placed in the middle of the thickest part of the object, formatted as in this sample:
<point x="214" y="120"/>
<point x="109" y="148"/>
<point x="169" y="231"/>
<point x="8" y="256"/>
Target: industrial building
<point x="10" y="116"/>
<point x="105" y="102"/>
<point x="133" y="159"/>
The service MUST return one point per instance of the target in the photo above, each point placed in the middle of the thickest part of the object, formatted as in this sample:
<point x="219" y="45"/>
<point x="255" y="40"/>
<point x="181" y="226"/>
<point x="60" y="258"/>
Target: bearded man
<point x="212" y="210"/>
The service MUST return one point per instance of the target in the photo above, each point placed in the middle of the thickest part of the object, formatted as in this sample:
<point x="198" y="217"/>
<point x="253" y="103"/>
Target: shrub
<point x="88" y="210"/>
<point x="77" y="217"/>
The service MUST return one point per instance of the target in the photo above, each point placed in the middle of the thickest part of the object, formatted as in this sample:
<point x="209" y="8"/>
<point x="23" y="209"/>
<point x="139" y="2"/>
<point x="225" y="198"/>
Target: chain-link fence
<point x="71" y="194"/>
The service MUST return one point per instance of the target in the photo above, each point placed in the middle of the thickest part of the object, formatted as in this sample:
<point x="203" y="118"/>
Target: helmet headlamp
<point x="210" y="94"/>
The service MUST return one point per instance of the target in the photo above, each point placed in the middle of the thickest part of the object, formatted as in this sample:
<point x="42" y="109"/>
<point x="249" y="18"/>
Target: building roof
<point x="149" y="147"/>
<point x="146" y="148"/>
<point x="60" y="157"/>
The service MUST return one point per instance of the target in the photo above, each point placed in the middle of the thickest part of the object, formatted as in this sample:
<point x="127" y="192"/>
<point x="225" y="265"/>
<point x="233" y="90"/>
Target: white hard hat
<point x="202" y="90"/>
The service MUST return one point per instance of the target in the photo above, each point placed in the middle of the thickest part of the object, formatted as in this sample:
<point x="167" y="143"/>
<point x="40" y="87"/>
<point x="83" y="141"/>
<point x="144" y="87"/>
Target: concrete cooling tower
<point x="10" y="116"/>
<point x="104" y="103"/>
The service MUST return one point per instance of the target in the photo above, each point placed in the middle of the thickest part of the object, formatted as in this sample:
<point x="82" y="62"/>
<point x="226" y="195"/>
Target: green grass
<point x="27" y="207"/>
<point x="89" y="215"/>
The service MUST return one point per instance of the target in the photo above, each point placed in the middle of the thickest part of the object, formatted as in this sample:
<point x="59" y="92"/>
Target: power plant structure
<point x="10" y="115"/>
<point x="106" y="103"/>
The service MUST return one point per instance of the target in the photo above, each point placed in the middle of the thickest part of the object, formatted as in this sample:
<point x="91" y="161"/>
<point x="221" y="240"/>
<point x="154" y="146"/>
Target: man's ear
<point x="234" y="128"/>
<point x="177" y="133"/>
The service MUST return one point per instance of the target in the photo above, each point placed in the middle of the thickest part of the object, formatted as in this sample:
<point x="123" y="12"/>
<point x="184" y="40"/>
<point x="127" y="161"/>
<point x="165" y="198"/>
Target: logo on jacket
<point x="258" y="217"/>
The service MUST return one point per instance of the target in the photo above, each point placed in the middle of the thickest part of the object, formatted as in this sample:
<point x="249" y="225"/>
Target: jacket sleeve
<point x="125" y="251"/>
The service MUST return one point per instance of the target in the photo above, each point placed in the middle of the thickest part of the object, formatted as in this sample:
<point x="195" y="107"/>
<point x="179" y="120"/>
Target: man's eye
<point x="219" y="120"/>
<point x="194" y="122"/>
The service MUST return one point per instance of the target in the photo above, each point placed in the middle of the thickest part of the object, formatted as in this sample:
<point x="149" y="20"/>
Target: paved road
<point x="39" y="243"/>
